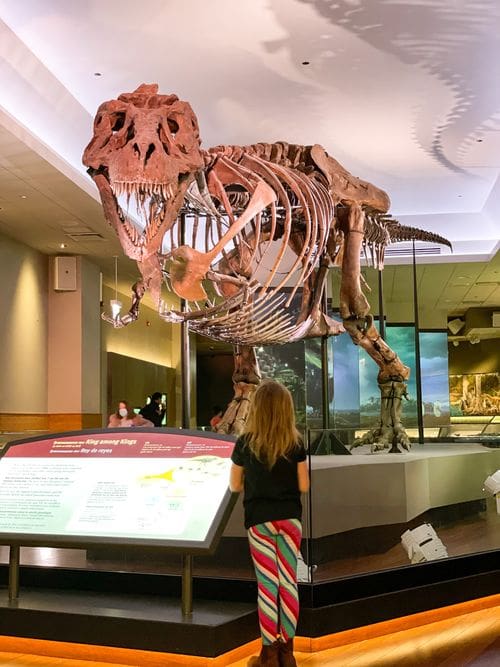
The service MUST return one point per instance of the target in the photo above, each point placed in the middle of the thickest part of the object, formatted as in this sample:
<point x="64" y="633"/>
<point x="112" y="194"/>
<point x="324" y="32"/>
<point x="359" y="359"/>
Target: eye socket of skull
<point x="173" y="126"/>
<point x="117" y="121"/>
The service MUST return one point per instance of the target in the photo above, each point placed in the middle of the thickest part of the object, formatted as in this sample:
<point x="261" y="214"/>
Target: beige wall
<point x="23" y="328"/>
<point x="50" y="343"/>
<point x="54" y="345"/>
<point x="64" y="347"/>
<point x="74" y="343"/>
<point x="91" y="341"/>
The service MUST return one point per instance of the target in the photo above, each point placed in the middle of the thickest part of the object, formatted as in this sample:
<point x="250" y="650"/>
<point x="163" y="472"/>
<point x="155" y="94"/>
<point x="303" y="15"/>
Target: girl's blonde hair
<point x="270" y="425"/>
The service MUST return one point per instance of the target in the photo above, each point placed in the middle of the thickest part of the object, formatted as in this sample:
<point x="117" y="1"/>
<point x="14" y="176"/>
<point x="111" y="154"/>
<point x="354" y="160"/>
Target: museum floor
<point x="467" y="634"/>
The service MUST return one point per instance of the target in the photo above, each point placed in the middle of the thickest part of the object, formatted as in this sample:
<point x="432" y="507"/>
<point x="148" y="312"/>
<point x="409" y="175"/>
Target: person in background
<point x="125" y="416"/>
<point x="154" y="410"/>
<point x="218" y="412"/>
<point x="270" y="467"/>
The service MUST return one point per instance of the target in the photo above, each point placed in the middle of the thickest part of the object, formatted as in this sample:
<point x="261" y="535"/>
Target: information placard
<point x="162" y="487"/>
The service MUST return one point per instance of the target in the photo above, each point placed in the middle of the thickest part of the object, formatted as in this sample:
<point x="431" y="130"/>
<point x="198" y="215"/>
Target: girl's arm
<point x="236" y="477"/>
<point x="303" y="476"/>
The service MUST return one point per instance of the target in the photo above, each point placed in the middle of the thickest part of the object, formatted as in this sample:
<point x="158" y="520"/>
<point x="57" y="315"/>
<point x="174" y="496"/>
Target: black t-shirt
<point x="269" y="495"/>
<point x="153" y="412"/>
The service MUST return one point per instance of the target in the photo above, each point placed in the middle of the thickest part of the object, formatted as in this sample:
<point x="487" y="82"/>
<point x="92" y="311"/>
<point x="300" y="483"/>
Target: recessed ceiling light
<point x="63" y="245"/>
<point x="306" y="62"/>
<point x="23" y="196"/>
<point x="479" y="141"/>
<point x="97" y="74"/>
<point x="460" y="195"/>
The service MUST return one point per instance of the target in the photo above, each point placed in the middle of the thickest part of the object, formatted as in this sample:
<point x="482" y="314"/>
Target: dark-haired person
<point x="154" y="410"/>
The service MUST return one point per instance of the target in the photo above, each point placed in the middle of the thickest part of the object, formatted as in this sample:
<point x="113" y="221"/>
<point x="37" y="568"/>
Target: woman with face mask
<point x="125" y="416"/>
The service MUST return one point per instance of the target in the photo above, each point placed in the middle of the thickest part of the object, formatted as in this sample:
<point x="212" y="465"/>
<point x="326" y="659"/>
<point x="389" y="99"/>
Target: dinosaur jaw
<point x="141" y="212"/>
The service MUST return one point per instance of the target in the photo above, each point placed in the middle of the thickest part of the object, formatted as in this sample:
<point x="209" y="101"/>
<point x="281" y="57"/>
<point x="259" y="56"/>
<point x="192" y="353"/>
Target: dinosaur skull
<point x="143" y="156"/>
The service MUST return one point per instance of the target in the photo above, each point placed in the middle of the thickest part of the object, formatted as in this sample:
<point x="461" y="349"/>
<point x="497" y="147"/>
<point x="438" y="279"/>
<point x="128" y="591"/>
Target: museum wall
<point x="91" y="342"/>
<point x="148" y="339"/>
<point x="134" y="379"/>
<point x="484" y="357"/>
<point x="214" y="384"/>
<point x="73" y="349"/>
<point x="23" y="330"/>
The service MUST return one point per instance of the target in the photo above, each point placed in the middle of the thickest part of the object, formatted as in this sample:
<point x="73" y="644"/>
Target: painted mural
<point x="475" y="394"/>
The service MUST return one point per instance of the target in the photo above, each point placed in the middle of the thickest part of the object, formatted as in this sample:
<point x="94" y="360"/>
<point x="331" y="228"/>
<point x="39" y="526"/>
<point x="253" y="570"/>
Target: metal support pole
<point x="187" y="585"/>
<point x="324" y="382"/>
<point x="381" y="314"/>
<point x="14" y="552"/>
<point x="185" y="350"/>
<point x="418" y="376"/>
<point x="325" y="399"/>
<point x="185" y="372"/>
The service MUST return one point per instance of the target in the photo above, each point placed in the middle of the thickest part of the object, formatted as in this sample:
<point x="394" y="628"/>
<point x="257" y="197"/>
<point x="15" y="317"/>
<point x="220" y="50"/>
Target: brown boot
<point x="268" y="656"/>
<point x="286" y="658"/>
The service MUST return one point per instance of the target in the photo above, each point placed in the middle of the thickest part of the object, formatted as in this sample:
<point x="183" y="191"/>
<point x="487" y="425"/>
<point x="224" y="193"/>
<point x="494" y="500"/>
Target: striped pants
<point x="274" y="547"/>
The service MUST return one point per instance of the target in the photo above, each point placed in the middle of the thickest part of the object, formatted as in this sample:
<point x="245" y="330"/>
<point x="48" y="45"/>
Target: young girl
<point x="269" y="465"/>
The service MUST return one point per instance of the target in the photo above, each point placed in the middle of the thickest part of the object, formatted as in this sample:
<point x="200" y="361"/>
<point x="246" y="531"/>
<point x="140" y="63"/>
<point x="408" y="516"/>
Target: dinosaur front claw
<point x="115" y="321"/>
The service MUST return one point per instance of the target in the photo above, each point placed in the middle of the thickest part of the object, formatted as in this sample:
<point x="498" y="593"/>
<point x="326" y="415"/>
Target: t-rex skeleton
<point x="219" y="228"/>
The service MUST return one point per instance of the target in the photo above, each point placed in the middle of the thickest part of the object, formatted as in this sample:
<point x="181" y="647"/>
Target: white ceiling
<point x="403" y="92"/>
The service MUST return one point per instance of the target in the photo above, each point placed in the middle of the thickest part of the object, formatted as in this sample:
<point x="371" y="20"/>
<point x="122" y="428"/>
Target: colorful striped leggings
<point x="274" y="547"/>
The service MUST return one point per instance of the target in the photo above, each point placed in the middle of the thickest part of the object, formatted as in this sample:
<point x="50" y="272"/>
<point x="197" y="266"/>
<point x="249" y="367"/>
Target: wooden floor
<point x="467" y="639"/>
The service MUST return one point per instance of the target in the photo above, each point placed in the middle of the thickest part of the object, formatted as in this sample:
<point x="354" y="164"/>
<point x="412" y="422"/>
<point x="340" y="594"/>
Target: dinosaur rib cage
<point x="252" y="282"/>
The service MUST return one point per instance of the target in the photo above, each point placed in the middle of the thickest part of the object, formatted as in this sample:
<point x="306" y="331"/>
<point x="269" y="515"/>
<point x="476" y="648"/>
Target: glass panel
<point x="435" y="385"/>
<point x="286" y="364"/>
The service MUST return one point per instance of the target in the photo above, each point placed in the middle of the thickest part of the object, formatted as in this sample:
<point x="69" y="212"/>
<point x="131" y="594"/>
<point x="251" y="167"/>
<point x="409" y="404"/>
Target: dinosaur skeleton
<point x="237" y="231"/>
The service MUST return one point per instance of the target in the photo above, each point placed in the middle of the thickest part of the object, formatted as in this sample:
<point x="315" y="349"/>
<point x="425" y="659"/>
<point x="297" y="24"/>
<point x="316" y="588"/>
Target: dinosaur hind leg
<point x="391" y="381"/>
<point x="246" y="378"/>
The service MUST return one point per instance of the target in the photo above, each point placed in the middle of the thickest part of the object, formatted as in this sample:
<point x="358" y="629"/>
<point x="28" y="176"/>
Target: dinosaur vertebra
<point x="259" y="222"/>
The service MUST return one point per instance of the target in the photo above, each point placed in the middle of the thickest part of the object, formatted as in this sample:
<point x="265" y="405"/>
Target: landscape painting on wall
<point x="475" y="394"/>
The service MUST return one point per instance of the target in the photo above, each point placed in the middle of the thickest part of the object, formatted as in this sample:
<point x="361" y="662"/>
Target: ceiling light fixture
<point x="306" y="62"/>
<point x="97" y="74"/>
<point x="23" y="196"/>
<point x="63" y="245"/>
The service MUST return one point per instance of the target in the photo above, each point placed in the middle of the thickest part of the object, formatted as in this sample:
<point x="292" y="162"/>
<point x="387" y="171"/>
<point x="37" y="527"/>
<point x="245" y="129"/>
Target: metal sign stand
<point x="14" y="572"/>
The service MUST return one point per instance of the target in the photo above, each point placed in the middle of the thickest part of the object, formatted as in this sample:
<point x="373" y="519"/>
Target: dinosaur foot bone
<point x="390" y="432"/>
<point x="233" y="420"/>
<point x="393" y="439"/>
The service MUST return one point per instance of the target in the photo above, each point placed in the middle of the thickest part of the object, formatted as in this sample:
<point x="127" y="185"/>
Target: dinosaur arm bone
<point x="190" y="266"/>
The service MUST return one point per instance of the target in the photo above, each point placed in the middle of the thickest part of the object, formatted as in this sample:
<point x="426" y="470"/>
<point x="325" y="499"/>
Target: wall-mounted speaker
<point x="65" y="274"/>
